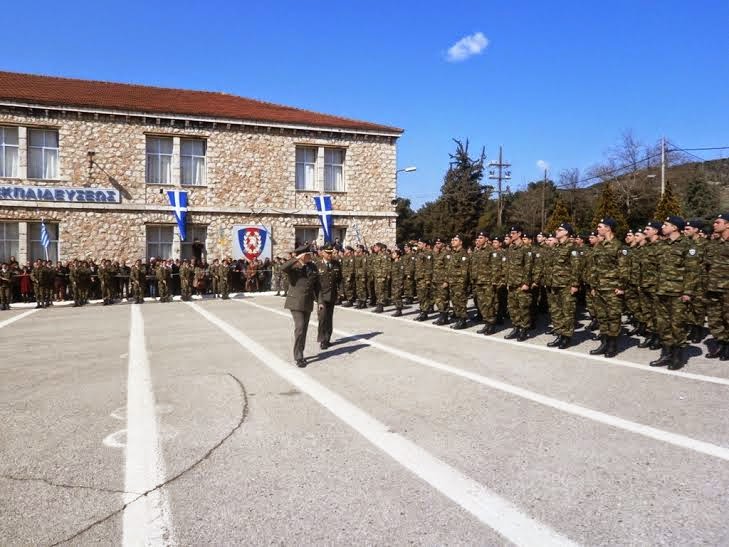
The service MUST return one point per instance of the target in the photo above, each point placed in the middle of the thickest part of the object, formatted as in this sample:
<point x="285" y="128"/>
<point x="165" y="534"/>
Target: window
<point x="35" y="246"/>
<point x="307" y="235"/>
<point x="159" y="160"/>
<point x="8" y="151"/>
<point x="9" y="241"/>
<point x="193" y="233"/>
<point x="192" y="161"/>
<point x="306" y="168"/>
<point x="42" y="154"/>
<point x="334" y="170"/>
<point x="159" y="241"/>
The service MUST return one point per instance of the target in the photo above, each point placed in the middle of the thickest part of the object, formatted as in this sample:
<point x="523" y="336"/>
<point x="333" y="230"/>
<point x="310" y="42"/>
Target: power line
<point x="676" y="147"/>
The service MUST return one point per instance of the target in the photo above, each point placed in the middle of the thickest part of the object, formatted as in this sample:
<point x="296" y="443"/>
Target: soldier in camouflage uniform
<point x="518" y="280"/>
<point x="380" y="268"/>
<point x="441" y="295"/>
<point x="610" y="281"/>
<point x="225" y="276"/>
<point x="49" y="274"/>
<point x="545" y="281"/>
<point x="423" y="278"/>
<point x="679" y="269"/>
<point x="186" y="276"/>
<point x="588" y="279"/>
<point x="397" y="280"/>
<point x="83" y="282"/>
<point x="348" y="278"/>
<point x="284" y="277"/>
<point x="697" y="306"/>
<point x="163" y="274"/>
<point x="563" y="283"/>
<point x="138" y="280"/>
<point x="360" y="276"/>
<point x="371" y="295"/>
<point x="214" y="272"/>
<point x="106" y="277"/>
<point x="457" y="279"/>
<point x="635" y="267"/>
<point x="498" y="258"/>
<point x="717" y="287"/>
<point x="409" y="260"/>
<point x="6" y="278"/>
<point x="483" y="284"/>
<point x="648" y="283"/>
<point x="35" y="277"/>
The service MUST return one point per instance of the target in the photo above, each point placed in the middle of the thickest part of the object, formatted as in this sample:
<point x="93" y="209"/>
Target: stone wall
<point x="250" y="179"/>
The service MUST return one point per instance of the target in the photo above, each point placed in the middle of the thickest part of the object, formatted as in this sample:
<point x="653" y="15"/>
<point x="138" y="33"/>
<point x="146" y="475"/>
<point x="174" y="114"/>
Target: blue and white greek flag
<point x="45" y="240"/>
<point x="178" y="200"/>
<point x="324" y="210"/>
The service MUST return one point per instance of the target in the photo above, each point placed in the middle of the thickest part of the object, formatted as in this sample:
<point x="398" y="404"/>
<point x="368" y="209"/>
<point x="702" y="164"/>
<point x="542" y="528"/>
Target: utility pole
<point x="500" y="173"/>
<point x="544" y="189"/>
<point x="663" y="165"/>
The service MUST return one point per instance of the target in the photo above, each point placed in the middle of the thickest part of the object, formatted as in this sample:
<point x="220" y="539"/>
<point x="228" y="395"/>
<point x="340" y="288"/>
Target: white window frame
<point x="155" y="230"/>
<point x="194" y="231"/>
<point x="5" y="148"/>
<point x="331" y="168"/>
<point x="54" y="249"/>
<point x="45" y="151"/>
<point x="301" y="167"/>
<point x="156" y="178"/>
<point x="193" y="157"/>
<point x="7" y="242"/>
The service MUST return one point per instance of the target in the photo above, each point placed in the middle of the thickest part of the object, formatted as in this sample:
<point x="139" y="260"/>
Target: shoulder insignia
<point x="503" y="259"/>
<point x="574" y="253"/>
<point x="494" y="254"/>
<point x="537" y="255"/>
<point x="463" y="258"/>
<point x="692" y="251"/>
<point x="529" y="253"/>
<point x="448" y="256"/>
<point x="428" y="257"/>
<point x="625" y="251"/>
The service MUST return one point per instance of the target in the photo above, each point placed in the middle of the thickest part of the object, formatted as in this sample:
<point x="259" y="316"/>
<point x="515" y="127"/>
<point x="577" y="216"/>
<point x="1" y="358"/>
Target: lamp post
<point x="409" y="169"/>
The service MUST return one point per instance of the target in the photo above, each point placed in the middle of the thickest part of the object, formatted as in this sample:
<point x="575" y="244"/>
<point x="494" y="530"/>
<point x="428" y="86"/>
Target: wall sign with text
<point x="62" y="195"/>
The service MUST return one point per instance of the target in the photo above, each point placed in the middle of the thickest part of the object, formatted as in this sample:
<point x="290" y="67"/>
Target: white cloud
<point x="542" y="165"/>
<point x="466" y="47"/>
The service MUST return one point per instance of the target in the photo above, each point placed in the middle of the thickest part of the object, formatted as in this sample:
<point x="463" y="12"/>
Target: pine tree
<point x="607" y="206"/>
<point x="701" y="199"/>
<point x="559" y="215"/>
<point x="668" y="204"/>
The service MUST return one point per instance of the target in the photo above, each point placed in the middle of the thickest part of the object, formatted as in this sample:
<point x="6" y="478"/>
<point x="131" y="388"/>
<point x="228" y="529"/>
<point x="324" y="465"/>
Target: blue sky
<point x="558" y="81"/>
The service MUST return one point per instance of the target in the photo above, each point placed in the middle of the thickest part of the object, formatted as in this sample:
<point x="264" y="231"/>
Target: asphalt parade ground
<point x="188" y="424"/>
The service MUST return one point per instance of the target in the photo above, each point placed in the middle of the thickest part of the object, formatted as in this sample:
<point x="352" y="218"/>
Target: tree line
<point x="625" y="186"/>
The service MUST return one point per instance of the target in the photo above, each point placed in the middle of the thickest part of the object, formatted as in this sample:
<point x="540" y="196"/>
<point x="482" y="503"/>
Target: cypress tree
<point x="668" y="204"/>
<point x="701" y="199"/>
<point x="559" y="215"/>
<point x="607" y="206"/>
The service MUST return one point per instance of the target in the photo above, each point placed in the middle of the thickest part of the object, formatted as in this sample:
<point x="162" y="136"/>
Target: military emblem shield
<point x="252" y="241"/>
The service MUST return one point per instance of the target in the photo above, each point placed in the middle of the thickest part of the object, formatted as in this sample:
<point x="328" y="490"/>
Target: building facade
<point x="94" y="161"/>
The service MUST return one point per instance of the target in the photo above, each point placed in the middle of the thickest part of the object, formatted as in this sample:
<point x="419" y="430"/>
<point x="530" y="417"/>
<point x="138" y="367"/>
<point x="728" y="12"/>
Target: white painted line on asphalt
<point x="16" y="318"/>
<point x="597" y="358"/>
<point x="148" y="520"/>
<point x="494" y="511"/>
<point x="570" y="408"/>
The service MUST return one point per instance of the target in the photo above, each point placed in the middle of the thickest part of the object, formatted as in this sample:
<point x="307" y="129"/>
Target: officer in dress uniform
<point x="330" y="275"/>
<point x="303" y="279"/>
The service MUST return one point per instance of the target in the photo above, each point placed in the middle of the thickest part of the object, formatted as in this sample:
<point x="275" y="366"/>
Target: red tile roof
<point x="67" y="92"/>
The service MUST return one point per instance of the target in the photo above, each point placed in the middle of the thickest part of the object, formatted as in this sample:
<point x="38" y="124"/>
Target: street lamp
<point x="407" y="170"/>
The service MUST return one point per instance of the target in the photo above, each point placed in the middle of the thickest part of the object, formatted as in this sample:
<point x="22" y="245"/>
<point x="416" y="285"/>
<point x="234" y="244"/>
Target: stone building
<point x="94" y="161"/>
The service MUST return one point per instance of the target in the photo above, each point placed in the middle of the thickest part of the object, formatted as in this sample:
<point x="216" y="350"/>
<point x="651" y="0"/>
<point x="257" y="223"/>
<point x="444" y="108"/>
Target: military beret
<point x="567" y="226"/>
<point x="457" y="236"/>
<point x="654" y="224"/>
<point x="723" y="216"/>
<point x="583" y="235"/>
<point x="708" y="229"/>
<point x="694" y="223"/>
<point x="348" y="248"/>
<point x="592" y="234"/>
<point x="677" y="221"/>
<point x="549" y="234"/>
<point x="483" y="234"/>
<point x="301" y="249"/>
<point x="515" y="229"/>
<point x="609" y="221"/>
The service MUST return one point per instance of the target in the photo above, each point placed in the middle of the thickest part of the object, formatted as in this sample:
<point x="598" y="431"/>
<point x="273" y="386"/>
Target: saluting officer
<point x="303" y="277"/>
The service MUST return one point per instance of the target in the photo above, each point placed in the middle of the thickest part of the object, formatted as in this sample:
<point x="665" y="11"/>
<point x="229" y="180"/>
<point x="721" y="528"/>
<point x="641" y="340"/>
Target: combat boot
<point x="523" y="335"/>
<point x="378" y="309"/>
<point x="647" y="342"/>
<point x="422" y="316"/>
<point x="490" y="329"/>
<point x="460" y="324"/>
<point x="550" y="330"/>
<point x="556" y="342"/>
<point x="513" y="334"/>
<point x="676" y="358"/>
<point x="725" y="353"/>
<point x="697" y="334"/>
<point x="483" y="329"/>
<point x="716" y="352"/>
<point x="408" y="300"/>
<point x="655" y="342"/>
<point x="398" y="313"/>
<point x="346" y="304"/>
<point x="592" y="325"/>
<point x="612" y="346"/>
<point x="602" y="348"/>
<point x="664" y="359"/>
<point x="564" y="342"/>
<point x="442" y="319"/>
